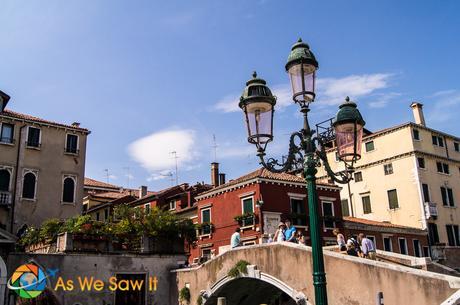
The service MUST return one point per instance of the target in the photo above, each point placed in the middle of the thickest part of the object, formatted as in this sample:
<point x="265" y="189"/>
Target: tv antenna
<point x="214" y="146"/>
<point x="107" y="176"/>
<point x="128" y="175"/>
<point x="174" y="153"/>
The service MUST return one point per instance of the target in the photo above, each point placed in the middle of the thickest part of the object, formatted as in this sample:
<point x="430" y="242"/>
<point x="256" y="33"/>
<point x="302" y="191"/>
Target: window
<point x="106" y="214"/>
<point x="417" y="248"/>
<point x="453" y="235"/>
<point x="299" y="217"/>
<point x="147" y="208"/>
<point x="366" y="204"/>
<point x="68" y="192"/>
<point x="426" y="193"/>
<point x="387" y="246"/>
<point x="71" y="144"/>
<point x="29" y="185"/>
<point x="328" y="214"/>
<point x="345" y="208"/>
<point x="206" y="216"/>
<point x="370" y="146"/>
<point x="437" y="140"/>
<point x="442" y="167"/>
<point x="172" y="205"/>
<point x="372" y="238"/>
<point x="358" y="176"/>
<point x="248" y="206"/>
<point x="457" y="146"/>
<point x="426" y="251"/>
<point x="393" y="199"/>
<point x="5" y="177"/>
<point x="402" y="246"/>
<point x="447" y="197"/>
<point x="421" y="162"/>
<point x="33" y="137"/>
<point x="416" y="134"/>
<point x="6" y="134"/>
<point x="433" y="233"/>
<point x="206" y="254"/>
<point x="388" y="168"/>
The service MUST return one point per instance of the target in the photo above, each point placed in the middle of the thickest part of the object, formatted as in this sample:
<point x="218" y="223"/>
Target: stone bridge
<point x="283" y="271"/>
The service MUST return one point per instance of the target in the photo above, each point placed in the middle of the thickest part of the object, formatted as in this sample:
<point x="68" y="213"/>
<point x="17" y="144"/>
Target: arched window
<point x="4" y="180"/>
<point x="68" y="194"/>
<point x="28" y="187"/>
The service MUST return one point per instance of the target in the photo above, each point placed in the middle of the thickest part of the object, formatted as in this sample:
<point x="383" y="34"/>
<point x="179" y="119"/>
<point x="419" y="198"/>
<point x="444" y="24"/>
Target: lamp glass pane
<point x="345" y="140"/>
<point x="303" y="85"/>
<point x="260" y="125"/>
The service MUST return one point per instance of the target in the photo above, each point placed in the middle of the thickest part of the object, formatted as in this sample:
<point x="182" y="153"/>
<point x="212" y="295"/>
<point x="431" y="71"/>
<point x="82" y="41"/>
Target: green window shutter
<point x="444" y="195"/>
<point x="393" y="199"/>
<point x="248" y="206"/>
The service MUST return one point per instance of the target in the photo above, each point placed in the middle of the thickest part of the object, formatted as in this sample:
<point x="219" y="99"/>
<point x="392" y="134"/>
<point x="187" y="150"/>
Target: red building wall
<point x="275" y="196"/>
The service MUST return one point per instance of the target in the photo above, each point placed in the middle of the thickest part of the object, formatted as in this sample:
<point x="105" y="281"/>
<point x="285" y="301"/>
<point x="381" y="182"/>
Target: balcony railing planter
<point x="205" y="228"/>
<point x="5" y="198"/>
<point x="246" y="219"/>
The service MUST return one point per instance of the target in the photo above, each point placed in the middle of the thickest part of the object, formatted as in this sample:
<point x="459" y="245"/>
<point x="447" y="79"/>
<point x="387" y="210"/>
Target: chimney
<point x="142" y="191"/>
<point x="215" y="174"/>
<point x="4" y="98"/>
<point x="221" y="179"/>
<point x="76" y="124"/>
<point x="417" y="109"/>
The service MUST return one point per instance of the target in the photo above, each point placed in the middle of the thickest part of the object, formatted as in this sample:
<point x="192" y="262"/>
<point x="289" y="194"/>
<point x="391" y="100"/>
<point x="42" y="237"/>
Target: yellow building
<point x="408" y="175"/>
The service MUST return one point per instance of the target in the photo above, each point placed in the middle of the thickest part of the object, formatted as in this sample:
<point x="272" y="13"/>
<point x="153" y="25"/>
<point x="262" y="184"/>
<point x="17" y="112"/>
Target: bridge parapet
<point x="351" y="280"/>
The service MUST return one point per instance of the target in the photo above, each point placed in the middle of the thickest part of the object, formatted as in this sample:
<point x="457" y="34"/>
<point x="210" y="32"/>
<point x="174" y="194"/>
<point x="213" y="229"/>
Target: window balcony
<point x="431" y="210"/>
<point x="5" y="198"/>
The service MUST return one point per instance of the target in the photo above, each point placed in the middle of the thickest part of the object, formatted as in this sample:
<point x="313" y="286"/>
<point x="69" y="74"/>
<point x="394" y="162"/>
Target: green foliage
<point x="130" y="225"/>
<point x="184" y="295"/>
<point x="240" y="268"/>
<point x="247" y="215"/>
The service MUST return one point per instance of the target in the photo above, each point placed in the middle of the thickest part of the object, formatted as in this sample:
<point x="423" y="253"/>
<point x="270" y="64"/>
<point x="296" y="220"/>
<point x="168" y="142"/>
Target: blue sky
<point x="151" y="77"/>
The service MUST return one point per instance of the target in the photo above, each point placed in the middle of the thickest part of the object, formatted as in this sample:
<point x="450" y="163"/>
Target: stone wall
<point x="102" y="267"/>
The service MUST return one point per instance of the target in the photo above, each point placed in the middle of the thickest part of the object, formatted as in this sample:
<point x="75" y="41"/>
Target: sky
<point x="152" y="77"/>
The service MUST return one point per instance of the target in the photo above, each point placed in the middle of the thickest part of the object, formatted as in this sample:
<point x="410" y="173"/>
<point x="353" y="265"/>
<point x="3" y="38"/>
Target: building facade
<point x="408" y="175"/>
<point x="42" y="166"/>
<point x="256" y="203"/>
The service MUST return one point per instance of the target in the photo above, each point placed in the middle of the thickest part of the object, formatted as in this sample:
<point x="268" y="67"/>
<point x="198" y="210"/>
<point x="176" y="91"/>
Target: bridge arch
<point x="255" y="287"/>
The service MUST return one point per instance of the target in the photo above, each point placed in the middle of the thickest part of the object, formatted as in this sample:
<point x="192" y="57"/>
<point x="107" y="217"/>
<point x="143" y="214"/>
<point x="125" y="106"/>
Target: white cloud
<point x="446" y="106"/>
<point x="382" y="100"/>
<point x="153" y="152"/>
<point x="165" y="174"/>
<point x="330" y="91"/>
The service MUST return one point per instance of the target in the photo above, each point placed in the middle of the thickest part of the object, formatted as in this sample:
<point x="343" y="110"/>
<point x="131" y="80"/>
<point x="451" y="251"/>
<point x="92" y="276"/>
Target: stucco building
<point x="42" y="166"/>
<point x="256" y="203"/>
<point x="408" y="175"/>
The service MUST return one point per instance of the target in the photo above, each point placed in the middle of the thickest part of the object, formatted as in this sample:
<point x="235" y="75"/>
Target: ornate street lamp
<point x="4" y="98"/>
<point x="306" y="151"/>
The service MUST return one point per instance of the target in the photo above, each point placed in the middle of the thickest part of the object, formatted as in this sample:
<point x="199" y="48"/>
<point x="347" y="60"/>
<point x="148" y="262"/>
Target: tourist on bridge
<point x="290" y="231"/>
<point x="301" y="238"/>
<point x="340" y="240"/>
<point x="279" y="234"/>
<point x="235" y="240"/>
<point x="367" y="246"/>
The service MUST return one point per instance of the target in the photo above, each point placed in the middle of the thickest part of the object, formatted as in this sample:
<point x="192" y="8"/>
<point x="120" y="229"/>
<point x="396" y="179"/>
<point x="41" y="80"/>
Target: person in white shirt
<point x="235" y="240"/>
<point x="279" y="234"/>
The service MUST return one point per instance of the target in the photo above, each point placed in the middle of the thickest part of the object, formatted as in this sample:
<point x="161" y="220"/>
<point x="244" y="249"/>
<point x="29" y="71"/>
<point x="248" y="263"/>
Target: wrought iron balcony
<point x="5" y="198"/>
<point x="431" y="210"/>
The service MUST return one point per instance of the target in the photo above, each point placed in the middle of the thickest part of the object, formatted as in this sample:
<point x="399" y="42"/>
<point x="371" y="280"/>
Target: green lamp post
<point x="306" y="151"/>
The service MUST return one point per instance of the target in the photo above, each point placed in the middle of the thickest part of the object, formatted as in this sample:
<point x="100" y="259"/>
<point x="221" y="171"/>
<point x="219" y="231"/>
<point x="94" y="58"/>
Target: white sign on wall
<point x="271" y="221"/>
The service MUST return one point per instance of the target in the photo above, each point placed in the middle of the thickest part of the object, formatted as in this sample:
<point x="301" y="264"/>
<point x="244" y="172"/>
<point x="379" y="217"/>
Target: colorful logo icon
<point x="28" y="281"/>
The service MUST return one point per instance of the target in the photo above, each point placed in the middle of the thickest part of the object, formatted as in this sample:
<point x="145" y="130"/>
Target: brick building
<point x="256" y="203"/>
<point x="389" y="237"/>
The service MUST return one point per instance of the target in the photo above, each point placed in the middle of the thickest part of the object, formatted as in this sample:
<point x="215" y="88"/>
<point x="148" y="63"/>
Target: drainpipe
<point x="16" y="174"/>
<point x="422" y="205"/>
